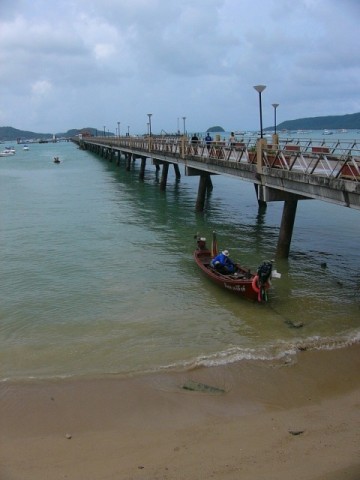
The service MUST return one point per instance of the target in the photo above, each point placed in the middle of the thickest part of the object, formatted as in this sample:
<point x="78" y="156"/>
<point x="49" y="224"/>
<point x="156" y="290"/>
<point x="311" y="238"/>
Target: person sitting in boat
<point x="223" y="263"/>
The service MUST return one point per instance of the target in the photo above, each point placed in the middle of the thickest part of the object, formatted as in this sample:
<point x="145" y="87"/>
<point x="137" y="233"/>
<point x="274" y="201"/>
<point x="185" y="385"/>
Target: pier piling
<point x="142" y="168"/>
<point x="200" y="201"/>
<point x="164" y="176"/>
<point x="286" y="228"/>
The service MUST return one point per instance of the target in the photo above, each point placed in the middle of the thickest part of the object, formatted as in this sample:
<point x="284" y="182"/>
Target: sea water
<point x="97" y="274"/>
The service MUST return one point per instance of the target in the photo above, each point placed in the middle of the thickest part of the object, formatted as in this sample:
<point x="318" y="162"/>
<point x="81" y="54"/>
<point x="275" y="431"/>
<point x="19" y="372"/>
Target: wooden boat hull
<point x="240" y="283"/>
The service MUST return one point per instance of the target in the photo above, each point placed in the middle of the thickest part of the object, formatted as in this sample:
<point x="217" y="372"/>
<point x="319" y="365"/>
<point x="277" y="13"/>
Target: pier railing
<point x="336" y="159"/>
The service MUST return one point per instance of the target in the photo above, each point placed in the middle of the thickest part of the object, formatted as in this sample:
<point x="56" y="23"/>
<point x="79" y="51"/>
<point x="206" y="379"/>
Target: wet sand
<point x="259" y="420"/>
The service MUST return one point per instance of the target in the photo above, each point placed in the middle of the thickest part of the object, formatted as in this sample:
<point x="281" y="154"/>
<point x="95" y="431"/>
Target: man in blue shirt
<point x="208" y="140"/>
<point x="223" y="263"/>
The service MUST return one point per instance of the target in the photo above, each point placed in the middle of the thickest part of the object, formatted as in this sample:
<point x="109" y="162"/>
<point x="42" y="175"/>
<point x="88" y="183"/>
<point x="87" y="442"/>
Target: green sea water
<point x="97" y="275"/>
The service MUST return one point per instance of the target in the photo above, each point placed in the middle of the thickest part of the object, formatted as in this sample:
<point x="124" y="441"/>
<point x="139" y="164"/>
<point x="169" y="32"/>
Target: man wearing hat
<point x="223" y="263"/>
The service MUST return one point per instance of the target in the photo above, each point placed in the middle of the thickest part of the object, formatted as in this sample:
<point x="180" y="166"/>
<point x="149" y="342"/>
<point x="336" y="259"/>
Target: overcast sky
<point x="75" y="63"/>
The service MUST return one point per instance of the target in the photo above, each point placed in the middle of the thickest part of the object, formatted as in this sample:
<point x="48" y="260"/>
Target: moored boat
<point x="7" y="152"/>
<point x="252" y="286"/>
<point x="56" y="160"/>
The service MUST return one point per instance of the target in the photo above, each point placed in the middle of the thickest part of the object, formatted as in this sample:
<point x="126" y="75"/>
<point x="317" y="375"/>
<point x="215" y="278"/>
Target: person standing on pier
<point x="232" y="139"/>
<point x="208" y="140"/>
<point x="194" y="139"/>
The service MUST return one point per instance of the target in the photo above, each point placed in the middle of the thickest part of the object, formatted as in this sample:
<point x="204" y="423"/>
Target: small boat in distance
<point x="56" y="160"/>
<point x="7" y="152"/>
<point x="252" y="286"/>
<point x="25" y="147"/>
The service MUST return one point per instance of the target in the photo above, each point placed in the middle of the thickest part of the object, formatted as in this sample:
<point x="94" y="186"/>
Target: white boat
<point x="327" y="132"/>
<point x="25" y="147"/>
<point x="7" y="152"/>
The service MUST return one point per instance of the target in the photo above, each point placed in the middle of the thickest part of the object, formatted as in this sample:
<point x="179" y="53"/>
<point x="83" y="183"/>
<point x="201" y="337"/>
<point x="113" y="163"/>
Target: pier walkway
<point x="285" y="170"/>
<point x="326" y="171"/>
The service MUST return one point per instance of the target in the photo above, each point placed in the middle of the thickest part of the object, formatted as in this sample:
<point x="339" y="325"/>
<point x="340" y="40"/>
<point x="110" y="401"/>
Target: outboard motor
<point x="263" y="279"/>
<point x="264" y="273"/>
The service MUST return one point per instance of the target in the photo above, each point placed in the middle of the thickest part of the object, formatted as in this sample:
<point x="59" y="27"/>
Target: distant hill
<point x="8" y="134"/>
<point x="75" y="131"/>
<point x="215" y="129"/>
<point x="350" y="121"/>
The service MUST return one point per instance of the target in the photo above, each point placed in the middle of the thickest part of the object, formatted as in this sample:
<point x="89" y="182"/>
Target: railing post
<point x="275" y="139"/>
<point x="182" y="153"/>
<point x="260" y="145"/>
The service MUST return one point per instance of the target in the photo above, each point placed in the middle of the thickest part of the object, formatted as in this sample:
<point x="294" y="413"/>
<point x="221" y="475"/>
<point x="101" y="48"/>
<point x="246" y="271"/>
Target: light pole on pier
<point x="275" y="105"/>
<point x="128" y="131"/>
<point x="149" y="115"/>
<point x="104" y="131"/>
<point x="260" y="89"/>
<point x="184" y="118"/>
<point x="118" y="128"/>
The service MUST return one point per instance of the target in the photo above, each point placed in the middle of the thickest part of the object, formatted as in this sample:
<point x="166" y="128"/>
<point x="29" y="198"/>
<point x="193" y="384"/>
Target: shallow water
<point x="97" y="275"/>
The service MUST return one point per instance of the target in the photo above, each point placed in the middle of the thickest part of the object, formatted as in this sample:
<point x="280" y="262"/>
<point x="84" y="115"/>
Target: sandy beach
<point x="295" y="418"/>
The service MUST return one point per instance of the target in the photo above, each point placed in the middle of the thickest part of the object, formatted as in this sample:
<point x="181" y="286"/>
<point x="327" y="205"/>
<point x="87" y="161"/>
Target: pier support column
<point x="286" y="228"/>
<point x="142" y="168"/>
<point x="209" y="184"/>
<point x="164" y="176"/>
<point x="177" y="171"/>
<point x="261" y="203"/>
<point x="200" y="201"/>
<point x="128" y="162"/>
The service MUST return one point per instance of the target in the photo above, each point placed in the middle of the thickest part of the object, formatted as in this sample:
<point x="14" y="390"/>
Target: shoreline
<point x="256" y="420"/>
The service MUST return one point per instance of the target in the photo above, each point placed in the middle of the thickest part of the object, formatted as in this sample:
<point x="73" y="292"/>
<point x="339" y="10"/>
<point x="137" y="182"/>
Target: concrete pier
<point x="282" y="171"/>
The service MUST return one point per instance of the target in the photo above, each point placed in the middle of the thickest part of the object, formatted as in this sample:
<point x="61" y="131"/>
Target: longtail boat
<point x="252" y="286"/>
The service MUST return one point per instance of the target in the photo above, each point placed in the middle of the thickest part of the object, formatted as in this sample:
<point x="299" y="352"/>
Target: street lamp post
<point x="260" y="89"/>
<point x="118" y="128"/>
<point x="275" y="105"/>
<point x="128" y="131"/>
<point x="104" y="131"/>
<point x="149" y="115"/>
<point x="184" y="118"/>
